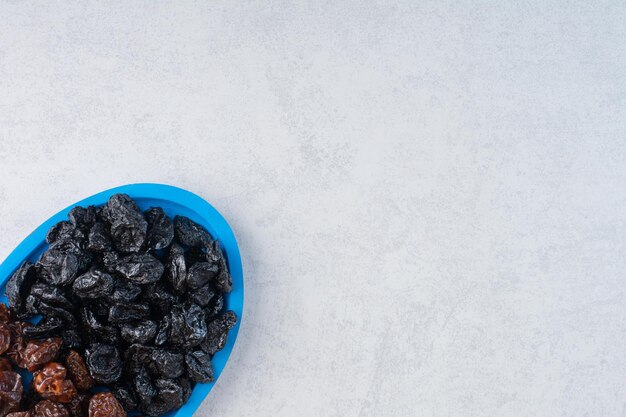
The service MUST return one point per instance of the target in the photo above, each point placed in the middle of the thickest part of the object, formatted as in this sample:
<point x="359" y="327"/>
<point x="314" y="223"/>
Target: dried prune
<point x="45" y="309"/>
<point x="199" y="367"/>
<point x="125" y="397"/>
<point x="96" y="330"/>
<point x="215" y="306"/>
<point x="51" y="384"/>
<point x="125" y="313"/>
<point x="18" y="286"/>
<point x="93" y="284"/>
<point x="223" y="281"/>
<point x="104" y="364"/>
<point x="217" y="332"/>
<point x="160" y="229"/>
<point x="52" y="295"/>
<point x="99" y="239"/>
<point x="78" y="371"/>
<point x="169" y="397"/>
<point x="190" y="233"/>
<point x="139" y="332"/>
<point x="160" y="299"/>
<point x="143" y="386"/>
<point x="61" y="231"/>
<point x="105" y="405"/>
<point x="58" y="267"/>
<point x="71" y="339"/>
<point x="166" y="364"/>
<point x="200" y="274"/>
<point x="82" y="217"/>
<point x="47" y="408"/>
<point x="177" y="268"/>
<point x="128" y="227"/>
<point x="5" y="337"/>
<point x="39" y="352"/>
<point x="48" y="326"/>
<point x="202" y="296"/>
<point x="124" y="292"/>
<point x="140" y="268"/>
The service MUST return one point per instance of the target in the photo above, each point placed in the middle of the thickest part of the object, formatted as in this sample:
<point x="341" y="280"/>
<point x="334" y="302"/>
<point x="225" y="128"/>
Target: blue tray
<point x="175" y="201"/>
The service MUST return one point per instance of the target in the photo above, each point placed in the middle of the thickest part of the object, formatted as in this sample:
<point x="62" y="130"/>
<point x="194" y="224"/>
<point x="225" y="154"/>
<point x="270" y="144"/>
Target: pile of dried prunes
<point x="131" y="301"/>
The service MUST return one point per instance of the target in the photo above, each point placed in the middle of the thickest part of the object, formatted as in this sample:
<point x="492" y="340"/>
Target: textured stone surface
<point x="430" y="199"/>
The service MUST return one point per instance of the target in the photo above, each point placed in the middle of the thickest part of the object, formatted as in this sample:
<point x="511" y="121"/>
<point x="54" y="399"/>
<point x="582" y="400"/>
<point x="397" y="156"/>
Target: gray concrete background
<point x="430" y="197"/>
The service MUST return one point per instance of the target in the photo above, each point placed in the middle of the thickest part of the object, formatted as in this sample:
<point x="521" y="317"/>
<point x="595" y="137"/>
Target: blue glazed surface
<point x="175" y="201"/>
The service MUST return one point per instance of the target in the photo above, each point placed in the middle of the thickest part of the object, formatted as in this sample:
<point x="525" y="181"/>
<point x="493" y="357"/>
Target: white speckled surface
<point x="430" y="199"/>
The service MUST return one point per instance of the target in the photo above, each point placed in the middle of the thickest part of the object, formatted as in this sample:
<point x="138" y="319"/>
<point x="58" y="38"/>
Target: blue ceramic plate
<point x="175" y="201"/>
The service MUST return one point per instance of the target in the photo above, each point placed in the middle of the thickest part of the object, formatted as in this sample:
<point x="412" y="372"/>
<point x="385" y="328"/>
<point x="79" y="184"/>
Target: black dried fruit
<point x="140" y="269"/>
<point x="217" y="332"/>
<point x="48" y="326"/>
<point x="128" y="227"/>
<point x="104" y="364"/>
<point x="124" y="292"/>
<point x="99" y="239"/>
<point x="82" y="217"/>
<point x="18" y="286"/>
<point x="160" y="229"/>
<point x="57" y="267"/>
<point x="52" y="295"/>
<point x="223" y="281"/>
<point x="203" y="296"/>
<point x="139" y="332"/>
<point x="166" y="364"/>
<point x="169" y="397"/>
<point x="176" y="268"/>
<point x="125" y="397"/>
<point x="190" y="233"/>
<point x="200" y="274"/>
<point x="93" y="284"/>
<point x="199" y="367"/>
<point x="61" y="231"/>
<point x="125" y="313"/>
<point x="143" y="386"/>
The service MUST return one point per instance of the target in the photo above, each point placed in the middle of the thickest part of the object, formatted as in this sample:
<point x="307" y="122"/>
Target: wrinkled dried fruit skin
<point x="125" y="313"/>
<point x="40" y="352"/>
<point x="161" y="301"/>
<point x="199" y="367"/>
<point x="78" y="372"/>
<point x="124" y="292"/>
<point x="94" y="330"/>
<point x="202" y="296"/>
<point x="143" y="386"/>
<point x="18" y="286"/>
<point x="190" y="233"/>
<point x="18" y="343"/>
<point x="128" y="227"/>
<point x="105" y="405"/>
<point x="140" y="269"/>
<point x="51" y="295"/>
<point x="51" y="383"/>
<point x="139" y="332"/>
<point x="223" y="282"/>
<point x="5" y="337"/>
<point x="104" y="363"/>
<point x="48" y="408"/>
<point x="200" y="274"/>
<point x="160" y="229"/>
<point x="93" y="284"/>
<point x="177" y="269"/>
<point x="217" y="332"/>
<point x="48" y="326"/>
<point x="169" y="397"/>
<point x="71" y="339"/>
<point x="99" y="239"/>
<point x="126" y="398"/>
<point x="9" y="402"/>
<point x="166" y="364"/>
<point x="58" y="267"/>
<point x="61" y="231"/>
